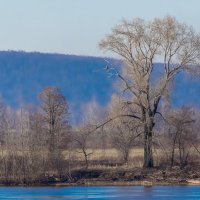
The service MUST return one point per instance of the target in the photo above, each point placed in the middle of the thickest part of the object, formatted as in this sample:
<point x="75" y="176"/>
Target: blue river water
<point x="102" y="193"/>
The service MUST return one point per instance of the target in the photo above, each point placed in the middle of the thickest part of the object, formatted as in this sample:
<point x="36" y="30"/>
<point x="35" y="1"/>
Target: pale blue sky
<point x="76" y="26"/>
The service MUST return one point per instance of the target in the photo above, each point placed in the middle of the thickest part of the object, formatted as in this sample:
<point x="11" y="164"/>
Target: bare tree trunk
<point x="126" y="156"/>
<point x="173" y="150"/>
<point x="148" y="153"/>
<point x="86" y="159"/>
<point x="148" y="144"/>
<point x="172" y="158"/>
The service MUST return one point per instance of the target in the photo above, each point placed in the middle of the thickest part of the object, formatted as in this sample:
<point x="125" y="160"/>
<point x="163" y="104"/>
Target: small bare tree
<point x="140" y="44"/>
<point x="123" y="131"/>
<point x="124" y="137"/>
<point x="82" y="138"/>
<point x="181" y="134"/>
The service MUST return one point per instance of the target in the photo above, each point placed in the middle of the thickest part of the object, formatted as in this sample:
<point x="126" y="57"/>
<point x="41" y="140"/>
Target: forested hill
<point x="81" y="78"/>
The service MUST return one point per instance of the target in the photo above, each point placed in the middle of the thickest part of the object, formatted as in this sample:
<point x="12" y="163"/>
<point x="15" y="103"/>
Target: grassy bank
<point x="122" y="176"/>
<point x="107" y="168"/>
<point x="138" y="176"/>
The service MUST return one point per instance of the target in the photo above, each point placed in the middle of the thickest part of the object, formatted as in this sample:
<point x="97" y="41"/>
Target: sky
<point x="77" y="26"/>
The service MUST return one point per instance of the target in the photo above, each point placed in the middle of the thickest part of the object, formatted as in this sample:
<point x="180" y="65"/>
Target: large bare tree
<point x="55" y="115"/>
<point x="141" y="44"/>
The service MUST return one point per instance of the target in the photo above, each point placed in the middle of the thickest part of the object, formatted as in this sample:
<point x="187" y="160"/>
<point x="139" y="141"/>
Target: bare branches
<point x="112" y="119"/>
<point x="139" y="44"/>
<point x="54" y="112"/>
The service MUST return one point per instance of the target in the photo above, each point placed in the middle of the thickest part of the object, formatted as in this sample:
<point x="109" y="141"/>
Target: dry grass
<point x="99" y="154"/>
<point x="111" y="157"/>
<point x="107" y="157"/>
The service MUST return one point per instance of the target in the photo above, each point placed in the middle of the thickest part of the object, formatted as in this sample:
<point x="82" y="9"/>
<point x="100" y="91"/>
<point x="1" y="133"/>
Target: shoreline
<point x="106" y="183"/>
<point x="133" y="183"/>
<point x="114" y="177"/>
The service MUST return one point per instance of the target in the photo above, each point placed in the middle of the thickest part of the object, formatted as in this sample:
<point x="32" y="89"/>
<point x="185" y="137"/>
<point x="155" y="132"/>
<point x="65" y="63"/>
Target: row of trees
<point x="32" y="139"/>
<point x="175" y="141"/>
<point x="176" y="134"/>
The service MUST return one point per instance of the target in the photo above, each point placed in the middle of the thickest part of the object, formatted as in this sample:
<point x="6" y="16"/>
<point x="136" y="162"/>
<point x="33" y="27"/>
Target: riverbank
<point x="117" y="177"/>
<point x="138" y="176"/>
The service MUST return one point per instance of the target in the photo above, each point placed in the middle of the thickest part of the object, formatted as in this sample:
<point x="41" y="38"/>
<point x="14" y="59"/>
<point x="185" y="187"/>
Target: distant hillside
<point x="23" y="75"/>
<point x="80" y="78"/>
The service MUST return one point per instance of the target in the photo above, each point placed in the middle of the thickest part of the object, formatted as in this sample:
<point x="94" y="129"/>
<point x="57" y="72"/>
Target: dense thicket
<point x="38" y="145"/>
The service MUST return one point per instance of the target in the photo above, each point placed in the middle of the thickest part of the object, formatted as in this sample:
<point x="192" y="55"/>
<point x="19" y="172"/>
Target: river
<point x="102" y="193"/>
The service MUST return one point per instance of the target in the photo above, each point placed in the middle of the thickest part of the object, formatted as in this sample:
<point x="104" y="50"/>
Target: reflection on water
<point x="102" y="193"/>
